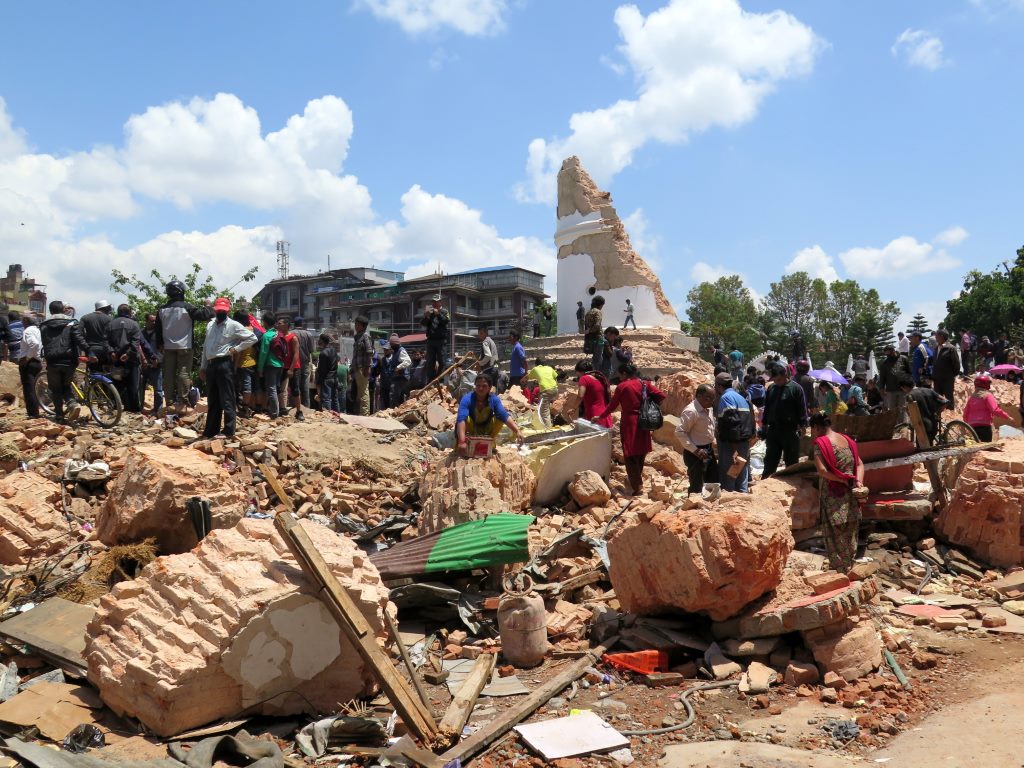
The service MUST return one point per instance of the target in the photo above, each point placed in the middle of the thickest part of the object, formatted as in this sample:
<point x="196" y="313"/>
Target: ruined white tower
<point x="595" y="257"/>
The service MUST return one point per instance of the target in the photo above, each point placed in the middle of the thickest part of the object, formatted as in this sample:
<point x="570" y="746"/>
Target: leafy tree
<point x="796" y="303"/>
<point x="989" y="303"/>
<point x="146" y="295"/>
<point x="918" y="324"/>
<point x="724" y="312"/>
<point x="873" y="326"/>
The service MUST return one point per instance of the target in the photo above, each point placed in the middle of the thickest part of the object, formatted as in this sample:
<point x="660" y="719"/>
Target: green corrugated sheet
<point x="495" y="540"/>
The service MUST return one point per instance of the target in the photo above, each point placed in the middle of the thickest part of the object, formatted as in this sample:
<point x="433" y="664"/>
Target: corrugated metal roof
<point x="495" y="540"/>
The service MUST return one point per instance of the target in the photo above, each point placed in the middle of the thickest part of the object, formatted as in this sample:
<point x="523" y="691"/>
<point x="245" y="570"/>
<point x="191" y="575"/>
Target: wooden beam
<point x="352" y="622"/>
<point x="926" y="456"/>
<point x="461" y="708"/>
<point x="409" y="667"/>
<point x="469" y="356"/>
<point x="499" y="726"/>
<point x="924" y="443"/>
<point x="270" y="475"/>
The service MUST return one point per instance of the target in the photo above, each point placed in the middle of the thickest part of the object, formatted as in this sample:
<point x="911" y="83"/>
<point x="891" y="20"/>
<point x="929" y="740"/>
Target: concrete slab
<point x="374" y="423"/>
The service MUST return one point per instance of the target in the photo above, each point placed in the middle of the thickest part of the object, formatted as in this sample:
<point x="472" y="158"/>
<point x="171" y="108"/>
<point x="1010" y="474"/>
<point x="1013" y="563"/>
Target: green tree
<point x="873" y="326"/>
<point x="797" y="302"/>
<point x="918" y="324"/>
<point x="838" y="318"/>
<point x="724" y="312"/>
<point x="146" y="295"/>
<point x="989" y="303"/>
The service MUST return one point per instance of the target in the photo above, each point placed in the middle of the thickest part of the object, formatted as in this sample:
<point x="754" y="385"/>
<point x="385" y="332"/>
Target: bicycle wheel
<point x="955" y="434"/>
<point x="43" y="394"/>
<point x="104" y="403"/>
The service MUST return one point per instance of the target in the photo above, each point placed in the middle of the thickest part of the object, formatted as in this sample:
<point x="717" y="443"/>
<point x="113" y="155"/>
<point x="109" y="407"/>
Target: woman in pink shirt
<point x="982" y="407"/>
<point x="593" y="393"/>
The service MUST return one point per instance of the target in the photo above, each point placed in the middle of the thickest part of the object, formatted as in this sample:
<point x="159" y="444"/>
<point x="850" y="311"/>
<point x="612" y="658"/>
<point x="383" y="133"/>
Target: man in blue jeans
<point x="735" y="430"/>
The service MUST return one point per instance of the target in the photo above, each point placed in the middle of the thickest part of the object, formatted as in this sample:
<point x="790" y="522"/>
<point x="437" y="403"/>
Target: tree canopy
<point x="146" y="294"/>
<point x="724" y="312"/>
<point x="990" y="303"/>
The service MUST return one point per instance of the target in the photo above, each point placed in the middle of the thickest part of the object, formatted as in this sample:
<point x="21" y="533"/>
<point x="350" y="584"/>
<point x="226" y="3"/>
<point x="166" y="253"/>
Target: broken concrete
<point x="456" y="490"/>
<point x="595" y="255"/>
<point x="30" y="525"/>
<point x="232" y="626"/>
<point x="984" y="514"/>
<point x="716" y="557"/>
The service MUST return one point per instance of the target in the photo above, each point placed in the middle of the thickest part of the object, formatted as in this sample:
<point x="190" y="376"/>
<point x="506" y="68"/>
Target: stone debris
<point x="589" y="489"/>
<point x="715" y="557"/>
<point x="232" y="626"/>
<point x="147" y="499"/>
<point x="30" y="524"/>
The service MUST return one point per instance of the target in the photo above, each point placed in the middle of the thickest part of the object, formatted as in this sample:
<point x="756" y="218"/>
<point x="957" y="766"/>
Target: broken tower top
<point x="596" y="257"/>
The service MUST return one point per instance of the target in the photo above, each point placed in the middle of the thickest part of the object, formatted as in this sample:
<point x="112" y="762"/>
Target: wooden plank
<point x="270" y="474"/>
<point x="924" y="443"/>
<point x="410" y="668"/>
<point x="437" y="379"/>
<point x="352" y="622"/>
<point x="499" y="726"/>
<point x="55" y="628"/>
<point x="461" y="708"/>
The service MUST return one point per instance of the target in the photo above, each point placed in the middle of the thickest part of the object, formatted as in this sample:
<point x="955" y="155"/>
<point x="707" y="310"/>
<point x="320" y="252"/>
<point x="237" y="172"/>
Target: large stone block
<point x="984" y="514"/>
<point x="715" y="558"/>
<point x="850" y="649"/>
<point x="232" y="625"/>
<point x="147" y="499"/>
<point x="30" y="525"/>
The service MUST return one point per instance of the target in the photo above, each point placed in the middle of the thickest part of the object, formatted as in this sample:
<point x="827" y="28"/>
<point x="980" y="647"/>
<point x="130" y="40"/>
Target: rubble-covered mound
<point x="1007" y="394"/>
<point x="30" y="525"/>
<point x="984" y="513"/>
<point x="455" y="490"/>
<point x="714" y="558"/>
<point x="147" y="499"/>
<point x="232" y="626"/>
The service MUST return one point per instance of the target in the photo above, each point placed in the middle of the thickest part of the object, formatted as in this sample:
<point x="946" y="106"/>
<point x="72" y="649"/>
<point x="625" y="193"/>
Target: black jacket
<point x="785" y="409"/>
<point x="891" y="371"/>
<point x="63" y="341"/>
<point x="436" y="324"/>
<point x="947" y="364"/>
<point x="327" y="365"/>
<point x="125" y="338"/>
<point x="96" y="327"/>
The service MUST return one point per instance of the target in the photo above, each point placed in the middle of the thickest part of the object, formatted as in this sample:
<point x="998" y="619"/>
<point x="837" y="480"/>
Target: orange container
<point x="644" y="662"/>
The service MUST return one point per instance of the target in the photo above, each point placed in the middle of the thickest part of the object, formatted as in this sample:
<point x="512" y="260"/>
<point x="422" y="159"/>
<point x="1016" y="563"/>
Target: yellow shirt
<point x="545" y="376"/>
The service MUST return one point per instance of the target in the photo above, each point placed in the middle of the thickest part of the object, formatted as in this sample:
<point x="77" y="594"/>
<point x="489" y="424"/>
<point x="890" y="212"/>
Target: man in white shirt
<point x="225" y="340"/>
<point x="902" y="344"/>
<point x="696" y="431"/>
<point x="30" y="364"/>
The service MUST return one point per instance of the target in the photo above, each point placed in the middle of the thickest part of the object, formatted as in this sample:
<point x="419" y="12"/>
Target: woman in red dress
<point x="636" y="442"/>
<point x="593" y="393"/>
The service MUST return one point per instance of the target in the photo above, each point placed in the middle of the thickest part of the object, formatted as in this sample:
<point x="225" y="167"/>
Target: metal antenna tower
<point x="282" y="258"/>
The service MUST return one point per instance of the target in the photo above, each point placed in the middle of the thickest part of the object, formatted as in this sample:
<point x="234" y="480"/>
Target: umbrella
<point x="827" y="374"/>
<point x="1000" y="370"/>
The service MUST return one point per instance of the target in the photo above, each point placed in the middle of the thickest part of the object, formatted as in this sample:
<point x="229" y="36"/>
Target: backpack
<point x="756" y="393"/>
<point x="57" y="345"/>
<point x="650" y="412"/>
<point x="281" y="350"/>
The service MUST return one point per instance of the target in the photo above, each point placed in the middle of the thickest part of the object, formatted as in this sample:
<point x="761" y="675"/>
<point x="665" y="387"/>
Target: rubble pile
<point x="232" y="626"/>
<point x="30" y="524"/>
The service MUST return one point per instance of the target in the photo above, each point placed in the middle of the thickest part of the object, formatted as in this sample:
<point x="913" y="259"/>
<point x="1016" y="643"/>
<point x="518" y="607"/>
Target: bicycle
<point x="953" y="434"/>
<point x="95" y="390"/>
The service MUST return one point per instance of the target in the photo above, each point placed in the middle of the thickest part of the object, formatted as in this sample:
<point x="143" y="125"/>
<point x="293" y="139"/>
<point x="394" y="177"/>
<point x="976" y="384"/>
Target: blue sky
<point x="877" y="139"/>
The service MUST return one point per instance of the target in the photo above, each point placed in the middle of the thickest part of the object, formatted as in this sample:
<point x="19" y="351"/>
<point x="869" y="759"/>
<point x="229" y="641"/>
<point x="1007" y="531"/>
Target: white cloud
<point x="951" y="237"/>
<point x="213" y="151"/>
<point x="698" y="64"/>
<point x="815" y="262"/>
<point x="644" y="242"/>
<point x="440" y="58"/>
<point x="920" y="49"/>
<point x="702" y="272"/>
<point x="471" y="17"/>
<point x="902" y="257"/>
<point x="12" y="140"/>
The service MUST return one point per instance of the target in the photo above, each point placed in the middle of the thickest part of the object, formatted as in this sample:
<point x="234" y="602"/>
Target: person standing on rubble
<point x="982" y="407"/>
<point x="435" y="323"/>
<point x="636" y="442"/>
<point x="95" y="326"/>
<point x="696" y="431"/>
<point x="362" y="359"/>
<point x="488" y="362"/>
<point x="306" y="347"/>
<point x="175" y="325"/>
<point x="63" y="341"/>
<point x="327" y="374"/>
<point x="517" y="360"/>
<point x="784" y="419"/>
<point x="481" y="414"/>
<point x="399" y="367"/>
<point x="292" y="370"/>
<point x="593" y="328"/>
<point x="124" y="336"/>
<point x="30" y="365"/>
<point x="547" y="380"/>
<point x="343" y="377"/>
<point x="152" y="374"/>
<point x="840" y="491"/>
<point x="580" y="314"/>
<point x="225" y="340"/>
<point x="736" y="428"/>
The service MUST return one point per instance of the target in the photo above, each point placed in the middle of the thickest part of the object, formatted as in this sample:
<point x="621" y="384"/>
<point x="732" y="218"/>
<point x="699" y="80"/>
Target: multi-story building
<point x="22" y="293"/>
<point x="497" y="297"/>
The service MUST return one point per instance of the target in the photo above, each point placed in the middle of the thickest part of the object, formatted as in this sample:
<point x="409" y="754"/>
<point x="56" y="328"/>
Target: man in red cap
<point x="225" y="340"/>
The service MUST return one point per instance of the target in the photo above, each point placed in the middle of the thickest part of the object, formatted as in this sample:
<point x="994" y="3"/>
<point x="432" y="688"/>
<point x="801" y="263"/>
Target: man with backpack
<point x="63" y="342"/>
<point x="175" y="325"/>
<point x="306" y="346"/>
<point x="124" y="337"/>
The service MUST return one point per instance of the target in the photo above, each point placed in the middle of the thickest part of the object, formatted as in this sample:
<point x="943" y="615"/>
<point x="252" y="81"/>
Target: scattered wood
<point x="461" y="708"/>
